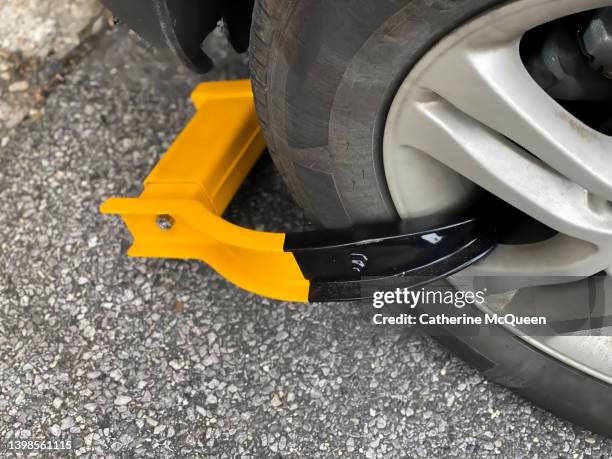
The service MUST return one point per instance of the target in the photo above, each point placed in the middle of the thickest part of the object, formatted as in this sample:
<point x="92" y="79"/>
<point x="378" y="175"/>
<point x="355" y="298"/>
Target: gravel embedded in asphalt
<point x="157" y="358"/>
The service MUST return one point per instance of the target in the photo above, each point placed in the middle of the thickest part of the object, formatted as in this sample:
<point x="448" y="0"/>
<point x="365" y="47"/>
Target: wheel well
<point x="179" y="27"/>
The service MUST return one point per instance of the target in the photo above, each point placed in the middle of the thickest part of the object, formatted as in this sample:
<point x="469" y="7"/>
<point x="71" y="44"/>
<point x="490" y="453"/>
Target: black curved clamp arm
<point x="349" y="264"/>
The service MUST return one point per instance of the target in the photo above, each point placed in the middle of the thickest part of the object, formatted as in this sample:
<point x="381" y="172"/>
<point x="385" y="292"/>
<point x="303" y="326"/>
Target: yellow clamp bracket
<point x="178" y="215"/>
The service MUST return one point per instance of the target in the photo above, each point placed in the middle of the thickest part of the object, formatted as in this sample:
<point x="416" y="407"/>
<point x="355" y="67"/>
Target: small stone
<point x="176" y="365"/>
<point x="91" y="407"/>
<point x="57" y="402"/>
<point x="159" y="429"/>
<point x="19" y="86"/>
<point x="35" y="114"/>
<point x="98" y="24"/>
<point x="212" y="359"/>
<point x="55" y="430"/>
<point x="152" y="422"/>
<point x="122" y="400"/>
<point x="89" y="332"/>
<point x="276" y="401"/>
<point x="282" y="336"/>
<point x="67" y="423"/>
<point x="93" y="374"/>
<point x="211" y="399"/>
<point x="232" y="389"/>
<point x="590" y="440"/>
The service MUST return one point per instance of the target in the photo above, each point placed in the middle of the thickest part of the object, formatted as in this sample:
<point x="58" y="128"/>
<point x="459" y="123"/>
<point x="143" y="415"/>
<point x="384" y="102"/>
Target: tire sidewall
<point x="353" y="68"/>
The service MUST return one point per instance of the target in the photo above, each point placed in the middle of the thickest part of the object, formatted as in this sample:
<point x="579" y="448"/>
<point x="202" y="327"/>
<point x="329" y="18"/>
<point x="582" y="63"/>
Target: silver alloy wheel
<point x="469" y="108"/>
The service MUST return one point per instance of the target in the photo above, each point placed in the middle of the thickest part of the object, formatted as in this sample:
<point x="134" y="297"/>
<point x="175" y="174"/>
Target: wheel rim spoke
<point x="496" y="90"/>
<point x="498" y="165"/>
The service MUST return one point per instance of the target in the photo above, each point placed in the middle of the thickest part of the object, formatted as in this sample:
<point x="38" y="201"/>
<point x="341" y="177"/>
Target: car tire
<point x="324" y="74"/>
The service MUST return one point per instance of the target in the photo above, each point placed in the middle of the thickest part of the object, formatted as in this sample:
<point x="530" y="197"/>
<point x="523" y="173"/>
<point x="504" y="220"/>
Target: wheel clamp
<point x="179" y="215"/>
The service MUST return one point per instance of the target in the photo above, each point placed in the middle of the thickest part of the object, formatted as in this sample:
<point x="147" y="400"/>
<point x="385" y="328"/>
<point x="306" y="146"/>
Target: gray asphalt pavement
<point x="155" y="358"/>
